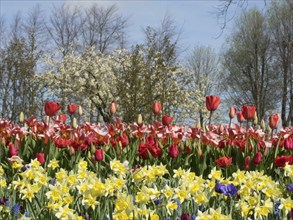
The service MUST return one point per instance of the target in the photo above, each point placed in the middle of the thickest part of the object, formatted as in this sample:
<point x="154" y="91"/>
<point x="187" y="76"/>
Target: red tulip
<point x="156" y="151"/>
<point x="51" y="108"/>
<point x="248" y="112"/>
<point x="288" y="144"/>
<point x="232" y="112"/>
<point x="224" y="162"/>
<point x="13" y="151"/>
<point x="212" y="102"/>
<point x="40" y="157"/>
<point x="257" y="158"/>
<point x="166" y="120"/>
<point x="157" y="108"/>
<point x="113" y="107"/>
<point x="247" y="163"/>
<point x="143" y="151"/>
<point x="282" y="160"/>
<point x="188" y="150"/>
<point x="173" y="151"/>
<point x="71" y="108"/>
<point x="274" y="121"/>
<point x="99" y="155"/>
<point x="150" y="146"/>
<point x="185" y="216"/>
<point x="240" y="117"/>
<point x="123" y="139"/>
<point x="224" y="143"/>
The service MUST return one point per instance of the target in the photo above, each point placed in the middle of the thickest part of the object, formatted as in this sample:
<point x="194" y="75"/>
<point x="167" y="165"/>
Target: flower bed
<point x="156" y="171"/>
<point x="52" y="170"/>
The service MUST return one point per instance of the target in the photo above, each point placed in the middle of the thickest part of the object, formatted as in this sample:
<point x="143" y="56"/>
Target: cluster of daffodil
<point x="149" y="192"/>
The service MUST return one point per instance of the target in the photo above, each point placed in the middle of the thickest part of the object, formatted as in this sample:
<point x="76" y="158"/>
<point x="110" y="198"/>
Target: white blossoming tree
<point x="85" y="79"/>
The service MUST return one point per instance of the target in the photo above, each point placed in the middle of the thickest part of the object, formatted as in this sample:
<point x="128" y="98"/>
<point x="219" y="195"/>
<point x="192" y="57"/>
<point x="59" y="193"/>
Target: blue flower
<point x="231" y="190"/>
<point x="227" y="190"/>
<point x="52" y="181"/>
<point x="24" y="168"/>
<point x="157" y="201"/>
<point x="289" y="187"/>
<point x="7" y="203"/>
<point x="15" y="210"/>
<point x="220" y="188"/>
<point x="193" y="217"/>
<point x="277" y="211"/>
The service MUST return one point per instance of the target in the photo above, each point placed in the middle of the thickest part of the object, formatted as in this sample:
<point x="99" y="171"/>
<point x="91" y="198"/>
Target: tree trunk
<point x="284" y="100"/>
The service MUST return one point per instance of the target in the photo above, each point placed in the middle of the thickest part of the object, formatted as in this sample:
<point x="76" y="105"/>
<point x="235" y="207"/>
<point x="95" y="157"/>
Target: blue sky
<point x="197" y="18"/>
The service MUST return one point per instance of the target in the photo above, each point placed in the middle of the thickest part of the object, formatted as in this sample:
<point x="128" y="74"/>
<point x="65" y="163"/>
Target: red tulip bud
<point x="240" y="117"/>
<point x="232" y="112"/>
<point x="157" y="108"/>
<point x="247" y="163"/>
<point x="248" y="112"/>
<point x="13" y="151"/>
<point x="71" y="108"/>
<point x="113" y="107"/>
<point x="173" y="151"/>
<point x="99" y="154"/>
<point x="257" y="158"/>
<point x="274" y="121"/>
<point x="40" y="157"/>
<point x="166" y="120"/>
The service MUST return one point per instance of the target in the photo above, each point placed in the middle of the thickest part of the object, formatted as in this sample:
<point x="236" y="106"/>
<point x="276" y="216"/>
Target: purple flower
<point x="289" y="187"/>
<point x="231" y="190"/>
<point x="277" y="211"/>
<point x="227" y="190"/>
<point x="5" y="201"/>
<point x="15" y="210"/>
<point x="185" y="216"/>
<point x="157" y="201"/>
<point x="24" y="168"/>
<point x="219" y="187"/>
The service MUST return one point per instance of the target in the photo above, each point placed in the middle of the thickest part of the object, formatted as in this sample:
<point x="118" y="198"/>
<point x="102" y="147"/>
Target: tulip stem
<point x="49" y="122"/>
<point x="210" y="119"/>
<point x="230" y="123"/>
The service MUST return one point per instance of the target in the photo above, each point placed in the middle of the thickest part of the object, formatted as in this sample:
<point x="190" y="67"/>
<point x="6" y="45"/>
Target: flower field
<point x="57" y="170"/>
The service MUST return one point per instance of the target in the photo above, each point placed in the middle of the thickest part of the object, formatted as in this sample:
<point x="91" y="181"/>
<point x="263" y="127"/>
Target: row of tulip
<point x="247" y="113"/>
<point x="35" y="191"/>
<point x="232" y="147"/>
